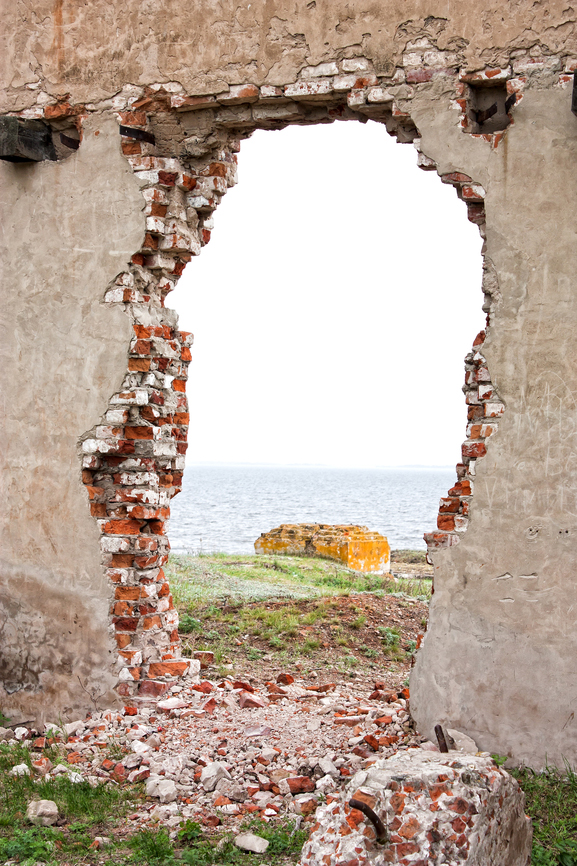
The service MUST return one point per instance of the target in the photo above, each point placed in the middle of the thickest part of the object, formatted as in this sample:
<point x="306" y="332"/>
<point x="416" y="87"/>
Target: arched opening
<point x="331" y="311"/>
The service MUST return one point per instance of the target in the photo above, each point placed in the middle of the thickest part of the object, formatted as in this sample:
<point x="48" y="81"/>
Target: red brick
<point x="142" y="332"/>
<point x="150" y="621"/>
<point x="122" y="560"/>
<point x="167" y="669"/>
<point x="167" y="178"/>
<point x="122" y="608"/>
<point x="446" y="522"/>
<point x="300" y="785"/>
<point x="217" y="169"/>
<point x="125" y="623"/>
<point x="157" y="209"/>
<point x="150" y="688"/>
<point x="418" y="76"/>
<point x="130" y="148"/>
<point x="133" y="118"/>
<point x="188" y="182"/>
<point x="128" y="593"/>
<point x="142" y="347"/>
<point x="122" y="527"/>
<point x="473" y="449"/>
<point x="139" y="365"/>
<point x="449" y="506"/>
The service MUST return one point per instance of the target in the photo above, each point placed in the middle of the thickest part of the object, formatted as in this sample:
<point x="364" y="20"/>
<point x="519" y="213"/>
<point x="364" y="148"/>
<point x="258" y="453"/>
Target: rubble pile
<point x="217" y="751"/>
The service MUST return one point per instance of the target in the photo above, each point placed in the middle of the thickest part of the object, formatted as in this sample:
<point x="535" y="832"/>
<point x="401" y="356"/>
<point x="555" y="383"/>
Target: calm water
<point x="225" y="508"/>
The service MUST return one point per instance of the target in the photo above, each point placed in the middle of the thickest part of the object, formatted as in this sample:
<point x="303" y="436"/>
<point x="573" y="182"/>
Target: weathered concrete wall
<point x="67" y="228"/>
<point x="502" y="631"/>
<point x="93" y="50"/>
<point x="201" y="77"/>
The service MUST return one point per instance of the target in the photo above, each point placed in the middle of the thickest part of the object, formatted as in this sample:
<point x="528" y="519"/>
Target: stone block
<point x="355" y="546"/>
<point x="436" y="809"/>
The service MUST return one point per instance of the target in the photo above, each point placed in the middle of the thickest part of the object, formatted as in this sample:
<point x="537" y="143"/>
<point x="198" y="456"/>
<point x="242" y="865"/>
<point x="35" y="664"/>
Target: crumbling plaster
<point x="503" y="612"/>
<point x="67" y="227"/>
<point x="94" y="49"/>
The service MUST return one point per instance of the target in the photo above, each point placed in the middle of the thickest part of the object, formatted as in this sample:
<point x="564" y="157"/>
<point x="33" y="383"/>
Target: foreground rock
<point x="42" y="813"/>
<point x="250" y="842"/>
<point x="442" y="809"/>
<point x="355" y="546"/>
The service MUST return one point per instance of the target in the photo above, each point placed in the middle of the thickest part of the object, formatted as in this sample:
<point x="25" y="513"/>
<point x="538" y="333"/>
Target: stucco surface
<point x="67" y="229"/>
<point x="497" y="660"/>
<point x="92" y="50"/>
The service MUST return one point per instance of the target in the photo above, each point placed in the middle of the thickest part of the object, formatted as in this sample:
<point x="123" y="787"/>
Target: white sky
<point x="333" y="307"/>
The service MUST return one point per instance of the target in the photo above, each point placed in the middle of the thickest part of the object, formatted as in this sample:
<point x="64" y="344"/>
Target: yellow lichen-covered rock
<point x="355" y="546"/>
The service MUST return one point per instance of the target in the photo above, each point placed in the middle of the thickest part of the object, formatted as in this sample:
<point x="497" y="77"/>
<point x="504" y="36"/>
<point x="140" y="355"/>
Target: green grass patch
<point x="195" y="848"/>
<point x="551" y="801"/>
<point x="196" y="581"/>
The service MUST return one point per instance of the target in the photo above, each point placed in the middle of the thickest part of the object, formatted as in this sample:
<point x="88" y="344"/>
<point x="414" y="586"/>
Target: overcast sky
<point x="333" y="307"/>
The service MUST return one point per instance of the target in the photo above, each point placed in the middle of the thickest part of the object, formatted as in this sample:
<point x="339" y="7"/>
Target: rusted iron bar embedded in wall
<point x="440" y="734"/>
<point x="482" y="116"/>
<point x="380" y="829"/>
<point x="138" y="134"/>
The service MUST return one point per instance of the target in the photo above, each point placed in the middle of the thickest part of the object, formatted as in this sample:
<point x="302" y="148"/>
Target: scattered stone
<point x="163" y="789"/>
<point x="250" y="701"/>
<point x="172" y="704"/>
<point x="21" y="733"/>
<point x="250" y="842"/>
<point x="296" y="785"/>
<point x="6" y="734"/>
<point x="285" y="679"/>
<point x="74" y="728"/>
<point x="204" y="657"/>
<point x="463" y="743"/>
<point x="212" y="774"/>
<point x="20" y="770"/>
<point x="42" y="813"/>
<point x="101" y="842"/>
<point x="305" y="804"/>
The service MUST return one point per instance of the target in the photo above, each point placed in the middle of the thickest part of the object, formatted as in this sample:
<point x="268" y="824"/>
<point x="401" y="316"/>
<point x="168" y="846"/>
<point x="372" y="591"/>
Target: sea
<point x="224" y="508"/>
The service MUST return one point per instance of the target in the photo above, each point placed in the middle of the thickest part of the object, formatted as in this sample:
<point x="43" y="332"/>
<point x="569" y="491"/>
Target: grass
<point x="83" y="811"/>
<point x="196" y="581"/>
<point x="551" y="801"/>
<point x="196" y="849"/>
<point x="290" y="608"/>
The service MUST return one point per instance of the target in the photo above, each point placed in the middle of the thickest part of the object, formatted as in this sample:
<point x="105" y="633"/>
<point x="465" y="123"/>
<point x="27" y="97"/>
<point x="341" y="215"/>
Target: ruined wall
<point x="104" y="431"/>
<point x="67" y="228"/>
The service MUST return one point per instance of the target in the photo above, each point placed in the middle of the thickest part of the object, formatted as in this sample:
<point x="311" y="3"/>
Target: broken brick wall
<point x="171" y="110"/>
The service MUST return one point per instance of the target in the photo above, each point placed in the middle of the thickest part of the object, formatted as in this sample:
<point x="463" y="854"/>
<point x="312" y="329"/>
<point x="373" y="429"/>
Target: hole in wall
<point x="489" y="106"/>
<point x="332" y="336"/>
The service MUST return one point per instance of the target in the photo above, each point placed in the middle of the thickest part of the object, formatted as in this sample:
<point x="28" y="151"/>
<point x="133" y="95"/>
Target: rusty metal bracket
<point x="440" y="734"/>
<point x="482" y="116"/>
<point x="510" y="102"/>
<point x="138" y="134"/>
<point x="380" y="829"/>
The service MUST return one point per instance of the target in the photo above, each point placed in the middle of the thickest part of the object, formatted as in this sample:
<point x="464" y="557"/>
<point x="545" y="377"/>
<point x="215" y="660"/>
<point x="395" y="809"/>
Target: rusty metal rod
<point x="380" y="828"/>
<point x="443" y="747"/>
